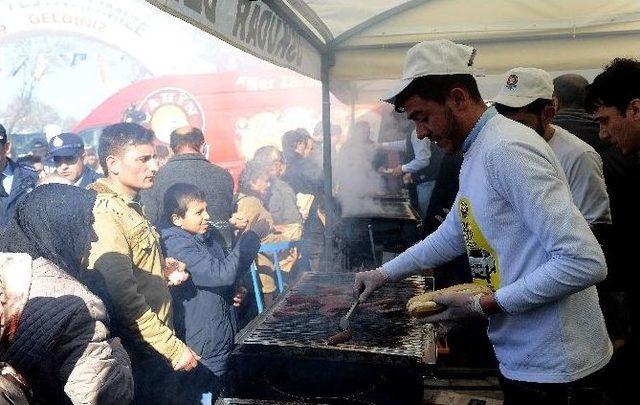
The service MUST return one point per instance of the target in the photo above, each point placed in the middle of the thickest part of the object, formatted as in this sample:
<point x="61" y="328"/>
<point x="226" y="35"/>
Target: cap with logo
<point x="522" y="86"/>
<point x="66" y="144"/>
<point x="3" y="135"/>
<point x="38" y="144"/>
<point x="439" y="57"/>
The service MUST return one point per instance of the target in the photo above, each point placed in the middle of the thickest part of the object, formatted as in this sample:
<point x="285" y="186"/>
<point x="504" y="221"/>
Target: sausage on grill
<point x="340" y="337"/>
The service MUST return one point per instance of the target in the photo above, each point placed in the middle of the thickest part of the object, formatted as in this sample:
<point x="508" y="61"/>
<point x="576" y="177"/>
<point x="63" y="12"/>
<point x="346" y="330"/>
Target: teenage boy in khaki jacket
<point x="128" y="267"/>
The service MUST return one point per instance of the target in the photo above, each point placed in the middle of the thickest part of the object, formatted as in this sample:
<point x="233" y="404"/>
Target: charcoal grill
<point x="282" y="357"/>
<point x="386" y="208"/>
<point x="390" y="221"/>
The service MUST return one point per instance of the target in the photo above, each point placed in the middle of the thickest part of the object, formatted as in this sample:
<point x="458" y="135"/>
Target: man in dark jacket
<point x="302" y="174"/>
<point x="621" y="241"/>
<point x="190" y="166"/>
<point x="15" y="180"/>
<point x="67" y="151"/>
<point x="614" y="100"/>
<point x="305" y="177"/>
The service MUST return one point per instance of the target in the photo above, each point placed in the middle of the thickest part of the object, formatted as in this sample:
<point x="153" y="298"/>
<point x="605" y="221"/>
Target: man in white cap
<point x="526" y="96"/>
<point x="524" y="236"/>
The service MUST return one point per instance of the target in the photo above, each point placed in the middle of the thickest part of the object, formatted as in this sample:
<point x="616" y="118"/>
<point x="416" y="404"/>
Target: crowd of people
<point x="125" y="272"/>
<point x="128" y="284"/>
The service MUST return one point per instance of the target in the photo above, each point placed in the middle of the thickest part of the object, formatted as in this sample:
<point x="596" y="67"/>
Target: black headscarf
<point x="54" y="222"/>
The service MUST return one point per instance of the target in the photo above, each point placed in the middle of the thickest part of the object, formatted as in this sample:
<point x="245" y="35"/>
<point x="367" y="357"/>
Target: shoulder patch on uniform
<point x="106" y="203"/>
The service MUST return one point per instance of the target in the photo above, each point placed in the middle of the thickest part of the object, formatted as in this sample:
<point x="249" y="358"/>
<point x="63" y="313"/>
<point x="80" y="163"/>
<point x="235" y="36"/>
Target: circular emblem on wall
<point x="165" y="110"/>
<point x="512" y="82"/>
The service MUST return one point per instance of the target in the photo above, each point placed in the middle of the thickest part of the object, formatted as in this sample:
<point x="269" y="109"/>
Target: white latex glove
<point x="368" y="282"/>
<point x="459" y="306"/>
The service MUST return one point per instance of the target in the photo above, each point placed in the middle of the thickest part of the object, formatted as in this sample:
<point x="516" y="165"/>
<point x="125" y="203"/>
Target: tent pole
<point x="326" y="159"/>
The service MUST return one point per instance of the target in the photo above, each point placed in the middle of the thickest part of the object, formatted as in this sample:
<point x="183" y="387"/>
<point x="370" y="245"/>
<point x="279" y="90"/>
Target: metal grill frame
<point x="410" y="214"/>
<point x="423" y="352"/>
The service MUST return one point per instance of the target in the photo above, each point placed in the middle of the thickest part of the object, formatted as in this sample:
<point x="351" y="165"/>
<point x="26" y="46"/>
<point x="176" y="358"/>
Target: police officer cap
<point x="3" y="135"/>
<point x="38" y="144"/>
<point x="66" y="144"/>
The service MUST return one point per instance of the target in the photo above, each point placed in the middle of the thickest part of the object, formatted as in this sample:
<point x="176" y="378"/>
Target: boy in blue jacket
<point x="203" y="313"/>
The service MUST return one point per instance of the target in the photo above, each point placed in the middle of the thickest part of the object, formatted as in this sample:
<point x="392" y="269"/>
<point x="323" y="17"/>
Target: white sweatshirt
<point x="583" y="167"/>
<point x="515" y="217"/>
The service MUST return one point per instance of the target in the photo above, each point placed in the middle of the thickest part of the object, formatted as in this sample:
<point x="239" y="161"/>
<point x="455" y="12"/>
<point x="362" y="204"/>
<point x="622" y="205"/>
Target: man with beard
<point x="526" y="96"/>
<point x="524" y="237"/>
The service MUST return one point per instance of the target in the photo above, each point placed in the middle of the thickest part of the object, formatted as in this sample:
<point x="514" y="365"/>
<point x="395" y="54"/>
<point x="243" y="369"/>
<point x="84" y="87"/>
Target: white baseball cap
<point x="439" y="57"/>
<point x="522" y="86"/>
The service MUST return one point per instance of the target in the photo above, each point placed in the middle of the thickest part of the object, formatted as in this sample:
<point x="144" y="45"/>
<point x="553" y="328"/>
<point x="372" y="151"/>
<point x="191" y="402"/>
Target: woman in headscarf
<point x="56" y="331"/>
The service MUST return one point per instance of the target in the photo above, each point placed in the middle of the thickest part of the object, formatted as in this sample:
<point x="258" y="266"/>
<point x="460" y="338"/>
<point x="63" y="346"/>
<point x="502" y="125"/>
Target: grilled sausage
<point x="301" y="299"/>
<point x="379" y="303"/>
<point x="390" y="310"/>
<point x="302" y="307"/>
<point x="340" y="337"/>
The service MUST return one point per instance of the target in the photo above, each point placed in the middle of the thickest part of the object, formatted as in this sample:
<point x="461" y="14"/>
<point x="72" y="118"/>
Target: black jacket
<point x="281" y="203"/>
<point x="621" y="178"/>
<point x="24" y="180"/>
<point x="303" y="175"/>
<point x="88" y="176"/>
<point x="191" y="168"/>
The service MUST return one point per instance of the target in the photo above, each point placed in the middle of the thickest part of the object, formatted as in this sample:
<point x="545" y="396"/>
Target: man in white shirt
<point x="515" y="218"/>
<point x="526" y="96"/>
<point x="420" y="169"/>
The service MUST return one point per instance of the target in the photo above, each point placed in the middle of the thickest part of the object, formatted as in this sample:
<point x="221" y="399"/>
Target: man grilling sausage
<point x="515" y="218"/>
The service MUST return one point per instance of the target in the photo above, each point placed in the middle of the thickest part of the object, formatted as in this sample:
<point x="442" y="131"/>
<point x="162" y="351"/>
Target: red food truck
<point x="237" y="112"/>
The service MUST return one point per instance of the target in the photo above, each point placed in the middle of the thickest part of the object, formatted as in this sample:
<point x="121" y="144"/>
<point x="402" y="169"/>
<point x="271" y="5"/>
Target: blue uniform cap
<point x="66" y="144"/>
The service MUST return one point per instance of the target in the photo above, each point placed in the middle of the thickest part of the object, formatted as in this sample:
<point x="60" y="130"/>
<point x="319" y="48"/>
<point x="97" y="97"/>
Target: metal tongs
<point x="344" y="321"/>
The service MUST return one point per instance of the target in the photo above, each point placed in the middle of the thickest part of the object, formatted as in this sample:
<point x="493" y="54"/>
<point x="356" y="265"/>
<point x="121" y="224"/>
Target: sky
<point x="104" y="62"/>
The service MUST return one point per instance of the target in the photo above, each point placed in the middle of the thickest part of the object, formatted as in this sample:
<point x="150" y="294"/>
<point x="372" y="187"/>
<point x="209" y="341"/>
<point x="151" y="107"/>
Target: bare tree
<point x="29" y="115"/>
<point x="31" y="60"/>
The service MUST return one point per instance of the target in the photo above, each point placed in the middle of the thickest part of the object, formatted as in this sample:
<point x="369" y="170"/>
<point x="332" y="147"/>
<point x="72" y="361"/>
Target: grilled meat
<point x="340" y="337"/>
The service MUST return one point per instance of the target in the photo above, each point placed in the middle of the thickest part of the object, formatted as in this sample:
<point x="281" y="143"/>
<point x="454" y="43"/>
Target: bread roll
<point x="423" y="304"/>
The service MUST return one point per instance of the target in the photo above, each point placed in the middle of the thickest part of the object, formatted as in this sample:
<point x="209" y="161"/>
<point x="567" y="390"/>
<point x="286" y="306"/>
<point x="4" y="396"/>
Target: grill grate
<point x="395" y="334"/>
<point x="382" y="208"/>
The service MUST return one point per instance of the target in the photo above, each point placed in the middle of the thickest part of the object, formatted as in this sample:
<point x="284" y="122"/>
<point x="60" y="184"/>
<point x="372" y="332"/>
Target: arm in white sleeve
<point x="526" y="178"/>
<point x="586" y="180"/>
<point x="421" y="153"/>
<point x="394" y="146"/>
<point x="440" y="247"/>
